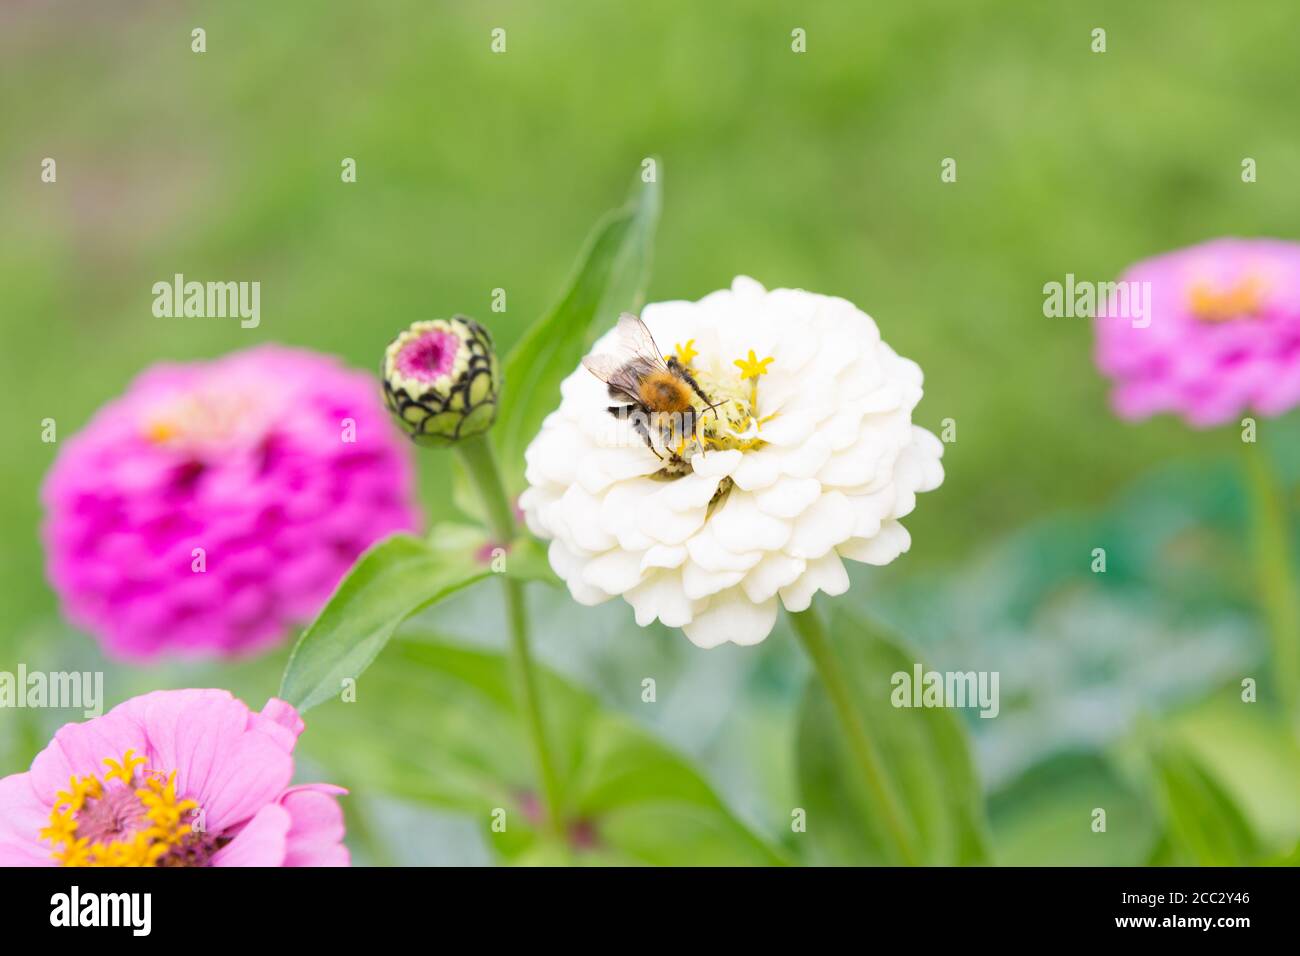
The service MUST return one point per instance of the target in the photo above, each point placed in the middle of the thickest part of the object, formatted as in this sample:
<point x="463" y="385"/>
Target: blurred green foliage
<point x="479" y="171"/>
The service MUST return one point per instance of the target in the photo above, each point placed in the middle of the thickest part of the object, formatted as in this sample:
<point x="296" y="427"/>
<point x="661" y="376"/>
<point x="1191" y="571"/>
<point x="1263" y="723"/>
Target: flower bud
<point x="441" y="380"/>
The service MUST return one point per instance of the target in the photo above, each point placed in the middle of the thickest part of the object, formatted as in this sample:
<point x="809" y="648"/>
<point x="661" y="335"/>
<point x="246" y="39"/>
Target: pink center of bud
<point x="429" y="356"/>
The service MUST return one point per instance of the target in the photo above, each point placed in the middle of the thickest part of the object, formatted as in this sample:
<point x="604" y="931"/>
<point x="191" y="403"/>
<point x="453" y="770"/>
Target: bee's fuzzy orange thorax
<point x="665" y="392"/>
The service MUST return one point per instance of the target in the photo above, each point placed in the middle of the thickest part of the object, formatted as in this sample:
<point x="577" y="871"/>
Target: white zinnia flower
<point x="810" y="458"/>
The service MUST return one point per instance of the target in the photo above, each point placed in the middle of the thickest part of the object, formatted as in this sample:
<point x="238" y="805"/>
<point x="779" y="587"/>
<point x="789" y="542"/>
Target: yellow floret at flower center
<point x="203" y="417"/>
<point x="1240" y="300"/>
<point x="128" y="817"/>
<point x="735" y="421"/>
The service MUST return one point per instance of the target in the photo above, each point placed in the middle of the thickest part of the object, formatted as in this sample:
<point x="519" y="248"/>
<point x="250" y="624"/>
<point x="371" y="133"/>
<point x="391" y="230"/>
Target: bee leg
<point x="625" y="413"/>
<point x="691" y="431"/>
<point x="645" y="433"/>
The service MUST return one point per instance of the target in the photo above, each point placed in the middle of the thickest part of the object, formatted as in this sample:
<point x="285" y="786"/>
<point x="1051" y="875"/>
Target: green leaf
<point x="1251" y="752"/>
<point x="1290" y="857"/>
<point x="1045" y="816"/>
<point x="654" y="806"/>
<point x="437" y="723"/>
<point x="394" y="579"/>
<point x="1204" y="822"/>
<point x="611" y="278"/>
<point x="923" y="752"/>
<point x="525" y="559"/>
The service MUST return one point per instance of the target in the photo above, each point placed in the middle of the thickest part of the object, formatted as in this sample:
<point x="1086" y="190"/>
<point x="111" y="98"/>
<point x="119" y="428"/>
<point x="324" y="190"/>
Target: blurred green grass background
<point x="479" y="171"/>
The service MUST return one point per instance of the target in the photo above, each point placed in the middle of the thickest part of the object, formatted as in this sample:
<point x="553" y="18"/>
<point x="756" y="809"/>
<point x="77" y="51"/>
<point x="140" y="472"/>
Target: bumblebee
<point x="648" y="387"/>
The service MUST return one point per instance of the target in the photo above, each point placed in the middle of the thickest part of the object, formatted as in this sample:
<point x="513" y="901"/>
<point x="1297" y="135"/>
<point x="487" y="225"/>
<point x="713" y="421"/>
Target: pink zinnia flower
<point x="1223" y="338"/>
<point x="218" y="503"/>
<point x="172" y="778"/>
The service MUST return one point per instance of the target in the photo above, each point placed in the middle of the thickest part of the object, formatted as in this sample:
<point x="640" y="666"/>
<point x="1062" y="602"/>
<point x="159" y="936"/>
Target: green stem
<point x="1275" y="573"/>
<point x="525" y="673"/>
<point x="480" y="462"/>
<point x="809" y="628"/>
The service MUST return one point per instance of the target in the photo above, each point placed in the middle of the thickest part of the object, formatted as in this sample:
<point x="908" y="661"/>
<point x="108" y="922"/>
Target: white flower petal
<point x="748" y="290"/>
<point x="842" y="429"/>
<point x="789" y="498"/>
<point x="569" y="567"/>
<point x="717" y="464"/>
<point x="661" y="596"/>
<point x="699" y="582"/>
<point x="573" y="511"/>
<point x="789" y="428"/>
<point x="731" y="617"/>
<point x="553" y="456"/>
<point x="870" y="510"/>
<point x="926" y="449"/>
<point x="620" y="512"/>
<point x="883" y="548"/>
<point x="852" y="467"/>
<point x="881" y="479"/>
<point x="825" y="574"/>
<point x="741" y="526"/>
<point x="797" y="350"/>
<point x="807" y="460"/>
<point x="685" y="494"/>
<point x="672" y="322"/>
<point x="664" y="556"/>
<point x="531" y="502"/>
<point x="774" y="572"/>
<point x="882" y="397"/>
<point x="905" y="369"/>
<point x="671" y="527"/>
<point x="760" y="469"/>
<point x="604" y="466"/>
<point x="613" y="572"/>
<point x="904" y="502"/>
<point x="828" y="522"/>
<point x="709" y="553"/>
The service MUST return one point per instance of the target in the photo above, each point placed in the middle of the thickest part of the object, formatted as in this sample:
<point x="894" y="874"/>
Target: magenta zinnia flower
<point x="1223" y="338"/>
<point x="172" y="778"/>
<point x="218" y="503"/>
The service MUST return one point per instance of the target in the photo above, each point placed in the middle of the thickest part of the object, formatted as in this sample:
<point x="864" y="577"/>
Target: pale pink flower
<point x="172" y="778"/>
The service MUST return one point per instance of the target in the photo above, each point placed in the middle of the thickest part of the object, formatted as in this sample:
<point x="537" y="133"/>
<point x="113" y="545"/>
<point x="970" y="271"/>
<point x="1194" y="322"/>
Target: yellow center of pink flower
<point x="129" y="817"/>
<point x="206" y="420"/>
<point x="1210" y="303"/>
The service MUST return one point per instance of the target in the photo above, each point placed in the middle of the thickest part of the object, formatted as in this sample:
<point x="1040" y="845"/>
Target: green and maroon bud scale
<point x="441" y="380"/>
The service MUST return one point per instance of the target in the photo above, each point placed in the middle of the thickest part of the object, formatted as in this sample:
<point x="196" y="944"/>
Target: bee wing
<point x="633" y="356"/>
<point x="621" y="373"/>
<point x="631" y="337"/>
